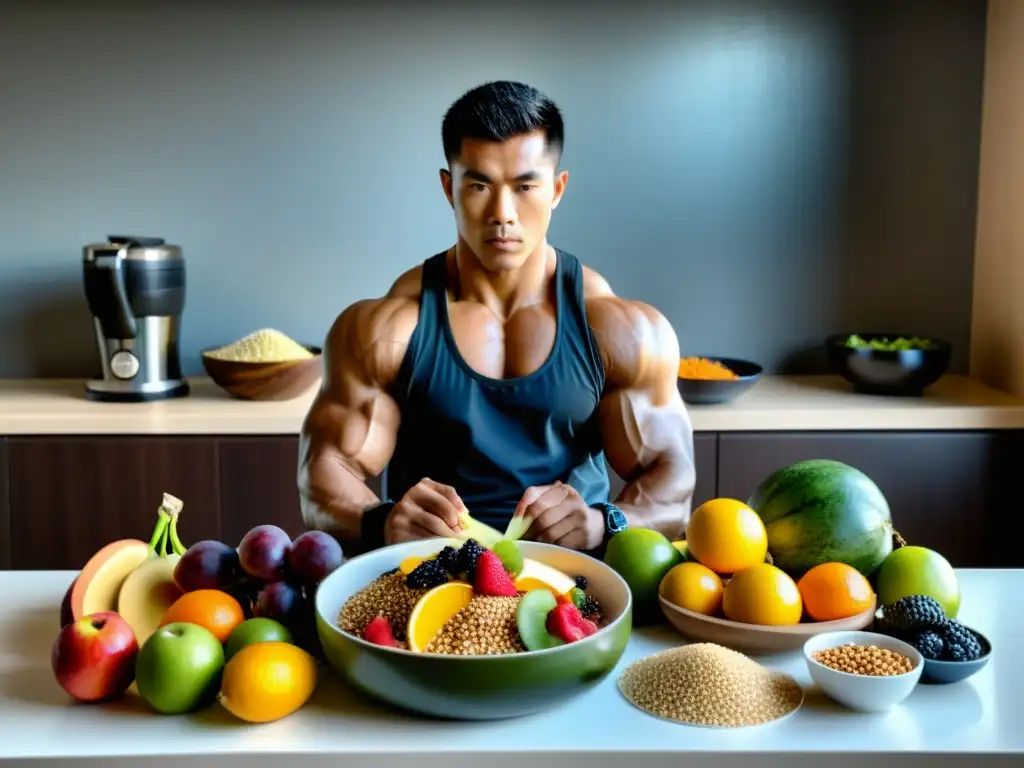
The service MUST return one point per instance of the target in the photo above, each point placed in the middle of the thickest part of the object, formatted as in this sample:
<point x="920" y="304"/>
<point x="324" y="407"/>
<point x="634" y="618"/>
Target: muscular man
<point x="497" y="375"/>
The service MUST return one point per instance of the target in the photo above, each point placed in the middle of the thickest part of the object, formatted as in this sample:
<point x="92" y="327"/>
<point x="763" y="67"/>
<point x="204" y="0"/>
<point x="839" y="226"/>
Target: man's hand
<point x="561" y="516"/>
<point x="428" y="509"/>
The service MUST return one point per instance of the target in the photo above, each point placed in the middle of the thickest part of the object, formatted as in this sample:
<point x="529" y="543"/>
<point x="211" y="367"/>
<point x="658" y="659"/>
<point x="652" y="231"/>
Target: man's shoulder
<point x="627" y="331"/>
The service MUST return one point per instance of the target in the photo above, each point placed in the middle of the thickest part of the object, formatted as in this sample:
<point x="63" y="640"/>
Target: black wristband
<point x="372" y="525"/>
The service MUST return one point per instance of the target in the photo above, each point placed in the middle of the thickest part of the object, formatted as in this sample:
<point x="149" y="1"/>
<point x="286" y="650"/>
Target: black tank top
<point x="491" y="439"/>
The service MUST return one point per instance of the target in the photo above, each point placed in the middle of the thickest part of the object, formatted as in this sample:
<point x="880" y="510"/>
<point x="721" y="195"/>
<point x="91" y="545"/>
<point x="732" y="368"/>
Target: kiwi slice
<point x="531" y="620"/>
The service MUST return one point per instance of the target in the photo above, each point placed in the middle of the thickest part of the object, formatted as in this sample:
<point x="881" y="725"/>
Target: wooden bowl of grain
<point x="756" y="638"/>
<point x="263" y="367"/>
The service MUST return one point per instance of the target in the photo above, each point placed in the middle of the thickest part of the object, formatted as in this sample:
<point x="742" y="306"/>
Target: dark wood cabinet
<point x="949" y="491"/>
<point x="5" y="517"/>
<point x="64" y="497"/>
<point x="70" y="496"/>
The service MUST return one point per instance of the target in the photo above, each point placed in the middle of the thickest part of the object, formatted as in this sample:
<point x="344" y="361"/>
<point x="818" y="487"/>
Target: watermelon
<point x="822" y="511"/>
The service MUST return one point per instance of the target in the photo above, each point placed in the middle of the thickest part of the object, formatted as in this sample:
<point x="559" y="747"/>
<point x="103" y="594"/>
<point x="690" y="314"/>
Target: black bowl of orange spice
<point x="714" y="380"/>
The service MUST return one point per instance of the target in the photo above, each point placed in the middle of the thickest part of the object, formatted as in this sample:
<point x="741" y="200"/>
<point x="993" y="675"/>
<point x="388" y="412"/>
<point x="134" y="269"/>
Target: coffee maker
<point x="135" y="288"/>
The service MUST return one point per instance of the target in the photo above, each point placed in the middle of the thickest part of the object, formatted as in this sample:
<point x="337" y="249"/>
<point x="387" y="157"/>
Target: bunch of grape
<point x="269" y="574"/>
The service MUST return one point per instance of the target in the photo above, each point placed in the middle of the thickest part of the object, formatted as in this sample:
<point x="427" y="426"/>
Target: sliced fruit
<point x="474" y="529"/>
<point x="150" y="590"/>
<point x="267" y="681"/>
<point x="531" y="620"/>
<point x="408" y="565"/>
<point x="510" y="556"/>
<point x="537" y="575"/>
<point x="517" y="528"/>
<point x="434" y="610"/>
<point x="99" y="582"/>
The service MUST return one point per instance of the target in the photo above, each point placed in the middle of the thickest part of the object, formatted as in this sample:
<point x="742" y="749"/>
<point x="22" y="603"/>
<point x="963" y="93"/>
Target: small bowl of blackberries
<point x="952" y="651"/>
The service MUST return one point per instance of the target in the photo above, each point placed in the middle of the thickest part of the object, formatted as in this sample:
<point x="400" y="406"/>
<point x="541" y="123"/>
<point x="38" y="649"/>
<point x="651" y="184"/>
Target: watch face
<point x="617" y="520"/>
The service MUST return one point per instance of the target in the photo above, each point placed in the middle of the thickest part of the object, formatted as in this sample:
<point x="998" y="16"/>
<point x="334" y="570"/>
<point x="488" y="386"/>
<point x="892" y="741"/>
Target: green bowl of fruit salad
<point x="453" y="629"/>
<point x="888" y="363"/>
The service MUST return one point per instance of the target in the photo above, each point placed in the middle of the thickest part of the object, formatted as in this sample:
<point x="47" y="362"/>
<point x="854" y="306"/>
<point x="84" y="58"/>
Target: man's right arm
<point x="350" y="431"/>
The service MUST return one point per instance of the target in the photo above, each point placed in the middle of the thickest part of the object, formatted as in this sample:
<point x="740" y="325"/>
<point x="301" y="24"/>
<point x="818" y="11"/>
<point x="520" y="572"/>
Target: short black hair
<point x="499" y="110"/>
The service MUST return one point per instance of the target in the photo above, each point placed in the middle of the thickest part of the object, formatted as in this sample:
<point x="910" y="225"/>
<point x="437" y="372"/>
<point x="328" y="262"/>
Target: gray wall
<point x="764" y="172"/>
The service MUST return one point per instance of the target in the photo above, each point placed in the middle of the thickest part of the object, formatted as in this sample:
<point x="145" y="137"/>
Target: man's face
<point x="503" y="195"/>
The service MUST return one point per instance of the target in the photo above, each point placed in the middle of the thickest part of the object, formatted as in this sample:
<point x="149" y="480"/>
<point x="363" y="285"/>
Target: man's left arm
<point x="646" y="429"/>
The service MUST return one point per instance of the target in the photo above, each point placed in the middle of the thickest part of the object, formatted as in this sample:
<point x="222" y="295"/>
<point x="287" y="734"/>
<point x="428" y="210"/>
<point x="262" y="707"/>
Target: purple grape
<point x="207" y="564"/>
<point x="263" y="551"/>
<point x="313" y="556"/>
<point x="282" y="602"/>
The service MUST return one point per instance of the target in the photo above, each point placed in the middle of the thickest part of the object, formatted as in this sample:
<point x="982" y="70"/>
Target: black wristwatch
<point x="614" y="519"/>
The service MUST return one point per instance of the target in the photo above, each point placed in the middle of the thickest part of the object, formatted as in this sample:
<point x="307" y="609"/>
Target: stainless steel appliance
<point x="135" y="287"/>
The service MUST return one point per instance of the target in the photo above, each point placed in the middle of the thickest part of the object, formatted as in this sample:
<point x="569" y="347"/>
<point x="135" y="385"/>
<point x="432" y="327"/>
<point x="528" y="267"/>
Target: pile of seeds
<point x="865" y="660"/>
<point x="707" y="684"/>
<point x="485" y="627"/>
<point x="385" y="596"/>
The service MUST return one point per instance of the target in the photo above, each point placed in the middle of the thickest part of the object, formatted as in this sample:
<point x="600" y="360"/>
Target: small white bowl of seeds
<point x="865" y="671"/>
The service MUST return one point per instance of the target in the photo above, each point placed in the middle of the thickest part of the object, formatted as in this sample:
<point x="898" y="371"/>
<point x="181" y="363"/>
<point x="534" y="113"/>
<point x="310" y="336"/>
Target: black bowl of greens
<point x="888" y="363"/>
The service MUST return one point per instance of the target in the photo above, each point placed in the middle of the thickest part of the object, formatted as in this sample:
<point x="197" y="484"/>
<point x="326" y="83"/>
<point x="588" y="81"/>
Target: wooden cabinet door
<point x="259" y="484"/>
<point x="946" y="491"/>
<point x="5" y="518"/>
<point x="705" y="449"/>
<point x="70" y="496"/>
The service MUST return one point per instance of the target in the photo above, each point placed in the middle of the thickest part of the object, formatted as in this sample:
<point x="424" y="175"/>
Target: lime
<point x="642" y="557"/>
<point x="259" y="630"/>
<point x="918" y="571"/>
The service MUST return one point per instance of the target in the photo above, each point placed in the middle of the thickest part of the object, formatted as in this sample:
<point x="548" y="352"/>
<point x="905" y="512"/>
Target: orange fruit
<point x="727" y="536"/>
<point x="762" y="594"/>
<point x="217" y="611"/>
<point x="410" y="564"/>
<point x="694" y="587"/>
<point x="832" y="591"/>
<point x="267" y="681"/>
<point x="433" y="611"/>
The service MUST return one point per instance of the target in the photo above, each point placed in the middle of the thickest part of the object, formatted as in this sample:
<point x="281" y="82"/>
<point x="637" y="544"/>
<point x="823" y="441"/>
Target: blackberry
<point x="930" y="644"/>
<point x="590" y="608"/>
<point x="449" y="558"/>
<point x="469" y="553"/>
<point x="961" y="643"/>
<point x="915" y="613"/>
<point x="426" y="575"/>
<point x="581" y="582"/>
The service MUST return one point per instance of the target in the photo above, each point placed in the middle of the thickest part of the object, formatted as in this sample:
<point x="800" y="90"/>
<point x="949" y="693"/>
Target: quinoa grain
<point x="865" y="660"/>
<point x="708" y="684"/>
<point x="485" y="627"/>
<point x="386" y="596"/>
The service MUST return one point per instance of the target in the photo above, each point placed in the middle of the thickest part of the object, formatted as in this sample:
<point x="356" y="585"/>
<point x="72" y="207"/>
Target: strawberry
<point x="567" y="623"/>
<point x="379" y="632"/>
<point x="491" y="577"/>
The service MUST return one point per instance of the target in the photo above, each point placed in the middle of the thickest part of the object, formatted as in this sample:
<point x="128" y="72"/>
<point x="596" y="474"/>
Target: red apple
<point x="66" y="614"/>
<point x="93" y="658"/>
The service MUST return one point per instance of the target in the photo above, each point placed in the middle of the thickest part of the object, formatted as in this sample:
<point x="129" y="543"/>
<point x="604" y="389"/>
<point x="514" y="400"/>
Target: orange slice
<point x="409" y="565"/>
<point x="434" y="610"/>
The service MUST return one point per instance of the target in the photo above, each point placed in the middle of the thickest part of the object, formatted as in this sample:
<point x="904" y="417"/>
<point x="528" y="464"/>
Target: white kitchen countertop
<point x="777" y="403"/>
<point x="960" y="724"/>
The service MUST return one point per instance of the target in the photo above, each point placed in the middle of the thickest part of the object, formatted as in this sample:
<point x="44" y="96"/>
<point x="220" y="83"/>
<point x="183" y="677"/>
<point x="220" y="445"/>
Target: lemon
<point x="694" y="587"/>
<point x="763" y="594"/>
<point x="267" y="681"/>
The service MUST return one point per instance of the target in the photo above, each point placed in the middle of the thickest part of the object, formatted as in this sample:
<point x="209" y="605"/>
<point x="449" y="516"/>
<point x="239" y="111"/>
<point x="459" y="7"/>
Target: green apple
<point x="179" y="667"/>
<point x="258" y="630"/>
